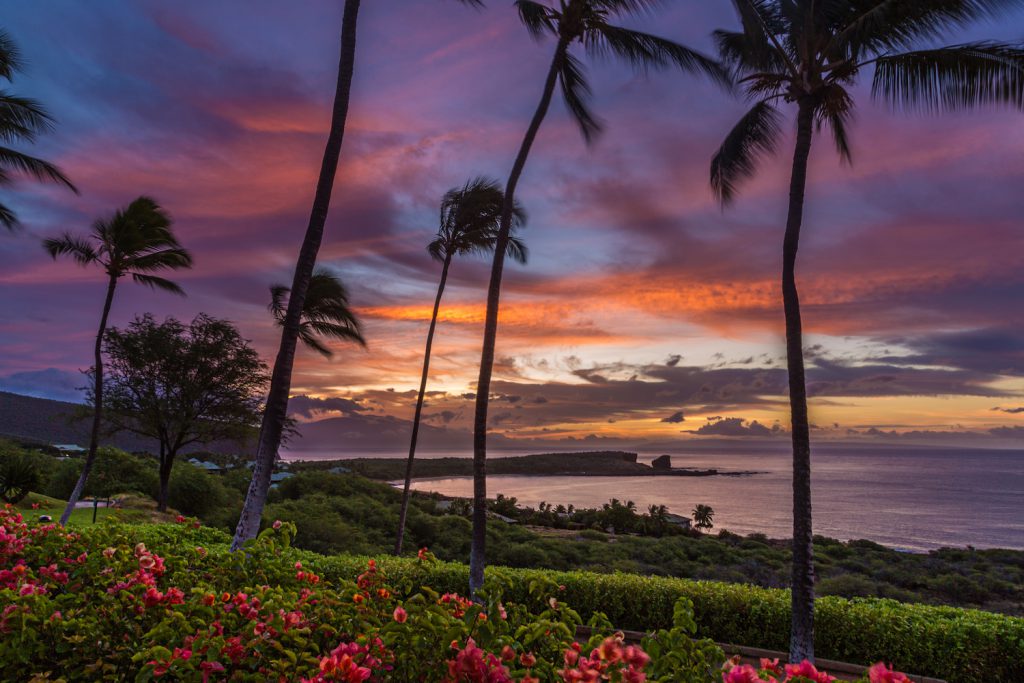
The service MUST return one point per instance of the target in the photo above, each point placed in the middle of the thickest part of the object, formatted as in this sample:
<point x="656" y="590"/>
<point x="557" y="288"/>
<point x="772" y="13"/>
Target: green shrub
<point x="965" y="646"/>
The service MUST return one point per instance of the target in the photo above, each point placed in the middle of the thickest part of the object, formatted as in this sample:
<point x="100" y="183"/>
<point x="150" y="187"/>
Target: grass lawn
<point x="55" y="508"/>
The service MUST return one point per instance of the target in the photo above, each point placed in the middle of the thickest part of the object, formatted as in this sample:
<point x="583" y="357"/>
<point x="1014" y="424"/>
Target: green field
<point x="55" y="508"/>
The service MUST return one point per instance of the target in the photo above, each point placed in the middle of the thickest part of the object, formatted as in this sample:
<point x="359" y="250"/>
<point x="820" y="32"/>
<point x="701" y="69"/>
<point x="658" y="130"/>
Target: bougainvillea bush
<point x="178" y="607"/>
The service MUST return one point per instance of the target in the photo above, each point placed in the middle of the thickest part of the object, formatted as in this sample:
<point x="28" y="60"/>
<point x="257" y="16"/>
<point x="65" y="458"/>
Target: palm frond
<point x="155" y="282"/>
<point x="877" y="25"/>
<point x="22" y="118"/>
<point x="325" y="312"/>
<point x="643" y="50"/>
<point x="344" y="331"/>
<point x="754" y="136"/>
<point x="537" y="18"/>
<point x="952" y="78"/>
<point x="516" y="250"/>
<point x="835" y="108"/>
<point x="627" y="6"/>
<point x="437" y="249"/>
<point x="278" y="302"/>
<point x="309" y="338"/>
<point x="75" y="247"/>
<point x="37" y="168"/>
<point x="576" y="92"/>
<point x="172" y="258"/>
<point x="10" y="56"/>
<point x="8" y="218"/>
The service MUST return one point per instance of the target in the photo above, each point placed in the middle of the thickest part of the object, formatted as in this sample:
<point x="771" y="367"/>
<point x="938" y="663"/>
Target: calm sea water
<point x="914" y="500"/>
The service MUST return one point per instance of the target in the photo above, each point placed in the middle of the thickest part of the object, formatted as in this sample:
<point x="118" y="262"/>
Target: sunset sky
<point x="646" y="314"/>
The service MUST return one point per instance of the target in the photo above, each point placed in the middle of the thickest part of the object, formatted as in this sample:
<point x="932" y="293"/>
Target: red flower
<point x="400" y="615"/>
<point x="880" y="673"/>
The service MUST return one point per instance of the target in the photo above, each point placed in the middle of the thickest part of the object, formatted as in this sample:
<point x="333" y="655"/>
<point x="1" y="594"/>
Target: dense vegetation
<point x="350" y="514"/>
<point x="171" y="600"/>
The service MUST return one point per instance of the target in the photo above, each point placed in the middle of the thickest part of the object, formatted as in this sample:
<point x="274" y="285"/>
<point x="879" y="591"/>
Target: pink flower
<point x="742" y="674"/>
<point x="880" y="673"/>
<point x="400" y="615"/>
<point x="276" y="524"/>
<point x="807" y="670"/>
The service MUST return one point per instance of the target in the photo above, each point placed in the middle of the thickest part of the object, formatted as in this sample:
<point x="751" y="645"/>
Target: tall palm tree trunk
<point x="276" y="412"/>
<point x="419" y="408"/>
<point x="801" y="645"/>
<point x="97" y="412"/>
<point x="477" y="559"/>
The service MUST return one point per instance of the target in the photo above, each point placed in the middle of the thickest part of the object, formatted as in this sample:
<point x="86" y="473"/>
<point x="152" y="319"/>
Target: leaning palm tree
<point x="136" y="241"/>
<point x="21" y="120"/>
<point x="275" y="415"/>
<point x="587" y="23"/>
<point x="809" y="53"/>
<point x="326" y="312"/>
<point x="469" y="223"/>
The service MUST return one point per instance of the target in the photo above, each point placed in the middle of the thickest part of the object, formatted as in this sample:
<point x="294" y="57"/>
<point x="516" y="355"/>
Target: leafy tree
<point x="809" y="53"/>
<point x="182" y="385"/>
<point x="587" y="23"/>
<point x="325" y="312"/>
<point x="703" y="516"/>
<point x="469" y="224"/>
<point x="136" y="241"/>
<point x="21" y="120"/>
<point x="275" y="416"/>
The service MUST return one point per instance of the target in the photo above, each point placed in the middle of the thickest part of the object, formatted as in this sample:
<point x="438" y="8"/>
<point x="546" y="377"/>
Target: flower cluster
<point x="612" y="660"/>
<point x="171" y="603"/>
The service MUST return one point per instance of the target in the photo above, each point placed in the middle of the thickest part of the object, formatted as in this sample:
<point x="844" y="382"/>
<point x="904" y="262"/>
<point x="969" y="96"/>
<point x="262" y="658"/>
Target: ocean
<point x="914" y="500"/>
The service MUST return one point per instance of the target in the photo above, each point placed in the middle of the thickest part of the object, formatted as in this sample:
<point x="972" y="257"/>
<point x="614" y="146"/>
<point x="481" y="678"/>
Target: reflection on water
<point x="915" y="500"/>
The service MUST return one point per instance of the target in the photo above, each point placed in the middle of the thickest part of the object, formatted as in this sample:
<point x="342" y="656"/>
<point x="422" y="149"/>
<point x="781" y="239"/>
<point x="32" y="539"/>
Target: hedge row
<point x="959" y="645"/>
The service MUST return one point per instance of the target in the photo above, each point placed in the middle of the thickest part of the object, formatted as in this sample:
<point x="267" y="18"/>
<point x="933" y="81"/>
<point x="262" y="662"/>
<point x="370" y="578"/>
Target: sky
<point x="647" y="315"/>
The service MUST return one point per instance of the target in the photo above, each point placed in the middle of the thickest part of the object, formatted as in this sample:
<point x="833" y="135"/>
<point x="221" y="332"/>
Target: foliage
<point x="346" y="513"/>
<point x="966" y="646"/>
<point x="170" y="601"/>
<point x="19" y="473"/>
<point x="183" y="385"/>
<point x="325" y="312"/>
<point x="703" y="517"/>
<point x="21" y="120"/>
<point x="114" y="472"/>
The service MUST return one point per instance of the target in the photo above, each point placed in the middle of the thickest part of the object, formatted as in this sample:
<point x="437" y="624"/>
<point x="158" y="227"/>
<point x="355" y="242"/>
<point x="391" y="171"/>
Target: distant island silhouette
<point x="582" y="464"/>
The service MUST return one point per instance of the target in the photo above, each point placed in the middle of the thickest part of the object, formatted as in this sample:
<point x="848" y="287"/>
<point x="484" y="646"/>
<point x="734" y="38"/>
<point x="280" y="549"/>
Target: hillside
<point x="43" y="421"/>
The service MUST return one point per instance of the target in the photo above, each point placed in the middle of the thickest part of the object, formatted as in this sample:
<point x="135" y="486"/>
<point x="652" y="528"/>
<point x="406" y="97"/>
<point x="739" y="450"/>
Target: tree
<point x="469" y="224"/>
<point x="136" y="241"/>
<point x="703" y="516"/>
<point x="808" y="53"/>
<point x="21" y="120"/>
<point x="325" y="312"/>
<point x="275" y="416"/>
<point x="574" y="21"/>
<point x="182" y="385"/>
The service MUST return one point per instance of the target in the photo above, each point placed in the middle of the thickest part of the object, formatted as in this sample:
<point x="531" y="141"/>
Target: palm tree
<point x="469" y="223"/>
<point x="573" y="21"/>
<point x="325" y="312"/>
<point x="21" y="120"/>
<point x="809" y="53"/>
<point x="275" y="415"/>
<point x="703" y="516"/>
<point x="136" y="241"/>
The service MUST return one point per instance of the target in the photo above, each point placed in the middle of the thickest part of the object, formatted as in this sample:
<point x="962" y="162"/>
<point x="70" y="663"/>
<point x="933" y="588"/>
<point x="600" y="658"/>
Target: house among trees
<point x="210" y="467"/>
<point x="679" y="521"/>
